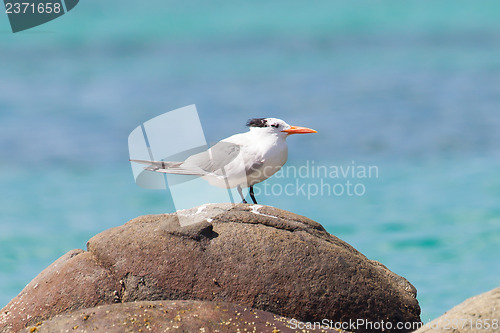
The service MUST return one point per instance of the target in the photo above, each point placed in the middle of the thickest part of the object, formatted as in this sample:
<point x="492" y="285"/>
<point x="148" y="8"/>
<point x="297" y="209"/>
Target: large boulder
<point x="171" y="316"/>
<point x="256" y="256"/>
<point x="74" y="281"/>
<point x="477" y="314"/>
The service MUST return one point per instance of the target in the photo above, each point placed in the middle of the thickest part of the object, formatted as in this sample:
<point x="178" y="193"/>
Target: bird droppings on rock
<point x="255" y="210"/>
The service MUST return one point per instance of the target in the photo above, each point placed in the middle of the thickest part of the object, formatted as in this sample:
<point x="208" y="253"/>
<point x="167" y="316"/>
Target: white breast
<point x="261" y="156"/>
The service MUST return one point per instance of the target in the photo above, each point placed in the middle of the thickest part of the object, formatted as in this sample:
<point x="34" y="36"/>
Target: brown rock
<point x="477" y="314"/>
<point x="73" y="281"/>
<point x="260" y="257"/>
<point x="171" y="316"/>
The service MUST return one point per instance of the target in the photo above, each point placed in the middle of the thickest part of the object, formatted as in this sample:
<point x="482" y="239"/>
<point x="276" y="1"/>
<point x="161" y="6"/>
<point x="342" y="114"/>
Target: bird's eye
<point x="275" y="125"/>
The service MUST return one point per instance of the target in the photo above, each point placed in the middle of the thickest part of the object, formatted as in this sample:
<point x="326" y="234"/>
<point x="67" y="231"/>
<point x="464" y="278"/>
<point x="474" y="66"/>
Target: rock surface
<point x="170" y="316"/>
<point x="256" y="256"/>
<point x="480" y="313"/>
<point x="74" y="281"/>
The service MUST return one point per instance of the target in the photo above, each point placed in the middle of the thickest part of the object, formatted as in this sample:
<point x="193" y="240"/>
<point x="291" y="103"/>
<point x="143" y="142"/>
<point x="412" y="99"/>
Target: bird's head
<point x="278" y="126"/>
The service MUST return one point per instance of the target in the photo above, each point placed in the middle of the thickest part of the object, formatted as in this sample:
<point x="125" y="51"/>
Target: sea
<point x="405" y="96"/>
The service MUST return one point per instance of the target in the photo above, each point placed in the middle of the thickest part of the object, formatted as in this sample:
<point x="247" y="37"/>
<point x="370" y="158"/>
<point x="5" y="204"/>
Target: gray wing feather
<point x="200" y="164"/>
<point x="215" y="158"/>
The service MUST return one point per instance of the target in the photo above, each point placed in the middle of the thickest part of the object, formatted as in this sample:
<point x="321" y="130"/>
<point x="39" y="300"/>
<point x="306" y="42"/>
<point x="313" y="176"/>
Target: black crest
<point x="257" y="122"/>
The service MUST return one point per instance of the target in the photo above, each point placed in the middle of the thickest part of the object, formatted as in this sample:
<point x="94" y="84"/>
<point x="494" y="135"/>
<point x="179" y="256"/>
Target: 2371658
<point x="27" y="8"/>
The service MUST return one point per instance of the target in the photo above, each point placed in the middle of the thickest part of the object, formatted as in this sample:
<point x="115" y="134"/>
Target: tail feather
<point x="177" y="168"/>
<point x="158" y="164"/>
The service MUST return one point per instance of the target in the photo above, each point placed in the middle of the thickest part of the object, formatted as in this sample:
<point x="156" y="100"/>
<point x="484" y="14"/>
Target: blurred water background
<point x="412" y="87"/>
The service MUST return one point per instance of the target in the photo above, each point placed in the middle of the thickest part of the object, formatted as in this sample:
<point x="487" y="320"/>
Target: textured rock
<point x="74" y="281"/>
<point x="477" y="314"/>
<point x="170" y="316"/>
<point x="256" y="256"/>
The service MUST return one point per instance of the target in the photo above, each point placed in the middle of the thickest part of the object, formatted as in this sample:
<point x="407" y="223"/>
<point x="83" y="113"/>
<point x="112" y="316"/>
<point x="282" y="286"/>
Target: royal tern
<point x="241" y="160"/>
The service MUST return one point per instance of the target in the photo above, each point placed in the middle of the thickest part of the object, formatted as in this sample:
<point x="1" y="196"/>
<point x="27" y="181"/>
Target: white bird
<point x="241" y="160"/>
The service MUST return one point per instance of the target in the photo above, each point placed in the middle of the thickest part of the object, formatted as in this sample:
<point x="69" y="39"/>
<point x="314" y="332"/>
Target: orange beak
<point x="299" y="130"/>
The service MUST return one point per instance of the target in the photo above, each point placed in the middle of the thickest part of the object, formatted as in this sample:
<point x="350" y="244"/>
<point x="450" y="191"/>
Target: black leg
<point x="241" y="194"/>
<point x="252" y="196"/>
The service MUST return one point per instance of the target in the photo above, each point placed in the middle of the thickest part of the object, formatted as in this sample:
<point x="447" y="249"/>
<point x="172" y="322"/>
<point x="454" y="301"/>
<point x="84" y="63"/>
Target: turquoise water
<point x="410" y="87"/>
